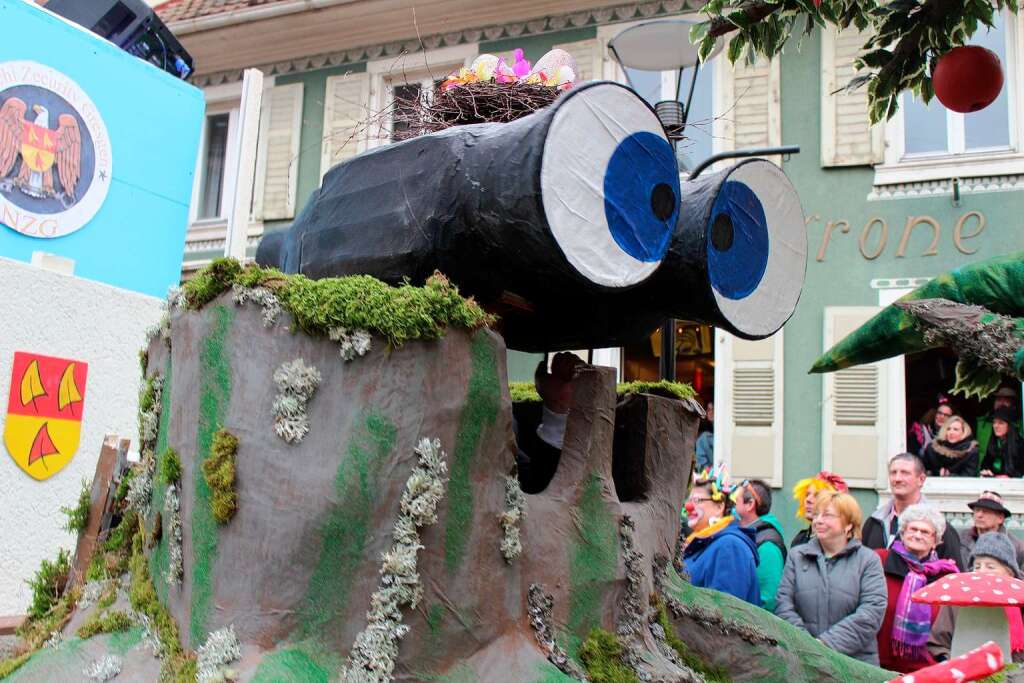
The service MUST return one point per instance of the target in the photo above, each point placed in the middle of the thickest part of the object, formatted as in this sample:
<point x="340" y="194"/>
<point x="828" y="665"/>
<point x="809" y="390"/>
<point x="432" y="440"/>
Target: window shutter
<point x="277" y="162"/>
<point x="847" y="136"/>
<point x="853" y="407"/>
<point x="346" y="104"/>
<point x="588" y="58"/>
<point x="748" y="113"/>
<point x="748" y="409"/>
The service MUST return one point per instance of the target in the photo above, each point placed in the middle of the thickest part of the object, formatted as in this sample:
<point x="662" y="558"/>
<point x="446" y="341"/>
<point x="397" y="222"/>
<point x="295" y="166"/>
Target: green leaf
<point x="877" y="59"/>
<point x="736" y="47"/>
<point x="927" y="90"/>
<point x="707" y="46"/>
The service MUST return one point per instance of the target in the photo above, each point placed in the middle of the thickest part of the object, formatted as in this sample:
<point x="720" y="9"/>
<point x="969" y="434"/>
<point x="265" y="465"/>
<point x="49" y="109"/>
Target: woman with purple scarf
<point x="911" y="563"/>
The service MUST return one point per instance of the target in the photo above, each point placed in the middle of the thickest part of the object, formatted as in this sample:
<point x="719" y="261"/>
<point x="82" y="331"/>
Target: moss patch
<point x="593" y="563"/>
<point x="398" y="314"/>
<point x="170" y="466"/>
<point x="159" y="559"/>
<point x="101" y="622"/>
<point x="214" y="394"/>
<point x="47" y="584"/>
<point x="601" y="656"/>
<point x="480" y="412"/>
<point x="526" y="391"/>
<point x="78" y="515"/>
<point x="219" y="471"/>
<point x="347" y="527"/>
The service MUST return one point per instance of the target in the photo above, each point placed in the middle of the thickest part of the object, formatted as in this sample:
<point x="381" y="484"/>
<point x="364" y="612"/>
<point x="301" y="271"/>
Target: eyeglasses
<point x="696" y="501"/>
<point x="917" y="531"/>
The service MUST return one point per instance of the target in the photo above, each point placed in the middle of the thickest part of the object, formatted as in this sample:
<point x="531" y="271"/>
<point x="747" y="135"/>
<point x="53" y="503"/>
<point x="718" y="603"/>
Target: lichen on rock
<point x="219" y="471"/>
<point x="140" y="487"/>
<point x="353" y="342"/>
<point x="296" y="383"/>
<point x="539" y="607"/>
<point x="221" y="648"/>
<point x="262" y="297"/>
<point x="104" y="668"/>
<point x="515" y="510"/>
<point x="372" y="659"/>
<point x="176" y="560"/>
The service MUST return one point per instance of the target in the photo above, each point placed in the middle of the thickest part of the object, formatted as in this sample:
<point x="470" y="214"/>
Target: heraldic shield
<point x="44" y="412"/>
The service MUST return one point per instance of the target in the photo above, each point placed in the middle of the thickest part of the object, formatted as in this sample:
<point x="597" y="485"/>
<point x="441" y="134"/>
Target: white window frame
<point x="417" y="68"/>
<point x="899" y="168"/>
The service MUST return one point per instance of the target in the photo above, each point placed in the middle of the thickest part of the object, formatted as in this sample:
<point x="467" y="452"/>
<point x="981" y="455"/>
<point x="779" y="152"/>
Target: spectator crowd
<point x="847" y="580"/>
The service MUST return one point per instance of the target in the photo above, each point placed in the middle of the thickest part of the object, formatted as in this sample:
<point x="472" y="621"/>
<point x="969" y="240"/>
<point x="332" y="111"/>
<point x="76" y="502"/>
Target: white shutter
<point x="847" y="136"/>
<point x="853" y="406"/>
<point x="587" y="54"/>
<point x="346" y="114"/>
<point x="748" y="406"/>
<point x="747" y="106"/>
<point x="278" y="159"/>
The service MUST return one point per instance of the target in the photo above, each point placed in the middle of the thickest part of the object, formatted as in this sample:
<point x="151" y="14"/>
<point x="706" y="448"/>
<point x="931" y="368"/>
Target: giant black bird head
<point x="571" y="223"/>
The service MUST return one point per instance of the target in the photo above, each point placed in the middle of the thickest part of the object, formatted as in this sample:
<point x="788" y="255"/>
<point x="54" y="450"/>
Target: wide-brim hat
<point x="990" y="504"/>
<point x="1008" y="415"/>
<point x="1006" y="392"/>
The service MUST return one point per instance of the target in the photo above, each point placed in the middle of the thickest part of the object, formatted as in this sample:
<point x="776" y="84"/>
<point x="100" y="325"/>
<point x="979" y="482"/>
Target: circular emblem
<point x="55" y="158"/>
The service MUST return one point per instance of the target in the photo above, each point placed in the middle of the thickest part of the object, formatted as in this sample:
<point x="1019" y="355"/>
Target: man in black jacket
<point x="906" y="479"/>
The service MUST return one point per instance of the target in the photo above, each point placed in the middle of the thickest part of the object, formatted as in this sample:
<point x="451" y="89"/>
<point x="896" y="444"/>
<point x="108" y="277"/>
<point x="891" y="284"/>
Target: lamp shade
<point x="658" y="45"/>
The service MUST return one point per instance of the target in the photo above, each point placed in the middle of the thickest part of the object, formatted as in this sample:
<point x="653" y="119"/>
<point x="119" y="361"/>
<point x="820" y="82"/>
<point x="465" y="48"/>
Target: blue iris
<point x="641" y="195"/>
<point x="737" y="241"/>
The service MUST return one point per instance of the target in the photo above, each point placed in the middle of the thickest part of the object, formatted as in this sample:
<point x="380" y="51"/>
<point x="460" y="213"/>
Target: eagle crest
<point x="41" y="151"/>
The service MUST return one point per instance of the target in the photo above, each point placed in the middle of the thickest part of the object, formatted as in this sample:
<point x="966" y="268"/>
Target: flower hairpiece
<point x="718" y="479"/>
<point x="822" y="481"/>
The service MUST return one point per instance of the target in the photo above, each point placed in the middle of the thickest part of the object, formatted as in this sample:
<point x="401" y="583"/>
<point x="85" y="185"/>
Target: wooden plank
<point x="106" y="466"/>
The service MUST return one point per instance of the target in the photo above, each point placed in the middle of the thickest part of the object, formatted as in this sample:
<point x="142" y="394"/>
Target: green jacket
<point x="770" y="563"/>
<point x="984" y="433"/>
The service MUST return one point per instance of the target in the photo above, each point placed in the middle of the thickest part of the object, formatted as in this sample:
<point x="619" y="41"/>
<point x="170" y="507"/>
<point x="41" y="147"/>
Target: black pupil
<point x="721" y="232"/>
<point x="663" y="201"/>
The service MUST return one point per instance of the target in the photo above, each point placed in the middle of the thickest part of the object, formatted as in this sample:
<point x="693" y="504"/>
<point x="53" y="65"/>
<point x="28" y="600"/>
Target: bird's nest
<point x="478" y="102"/>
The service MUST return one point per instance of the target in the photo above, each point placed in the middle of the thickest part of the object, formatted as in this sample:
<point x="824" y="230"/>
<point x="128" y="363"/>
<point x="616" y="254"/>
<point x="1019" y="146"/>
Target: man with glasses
<point x="753" y="507"/>
<point x="989" y="515"/>
<point x="906" y="479"/>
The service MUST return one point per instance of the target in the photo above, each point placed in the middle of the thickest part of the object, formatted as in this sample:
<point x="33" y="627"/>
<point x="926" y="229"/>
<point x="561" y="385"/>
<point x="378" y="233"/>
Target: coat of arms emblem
<point x="44" y="412"/>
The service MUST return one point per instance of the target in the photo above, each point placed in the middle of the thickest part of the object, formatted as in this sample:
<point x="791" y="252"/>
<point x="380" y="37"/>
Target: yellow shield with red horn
<point x="44" y="412"/>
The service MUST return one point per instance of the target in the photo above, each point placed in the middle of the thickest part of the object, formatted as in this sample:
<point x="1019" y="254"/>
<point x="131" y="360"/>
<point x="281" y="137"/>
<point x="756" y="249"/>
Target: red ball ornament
<point x="968" y="78"/>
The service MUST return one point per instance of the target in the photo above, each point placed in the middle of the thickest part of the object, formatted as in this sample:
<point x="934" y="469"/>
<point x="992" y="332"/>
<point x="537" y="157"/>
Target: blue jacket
<point x="725" y="561"/>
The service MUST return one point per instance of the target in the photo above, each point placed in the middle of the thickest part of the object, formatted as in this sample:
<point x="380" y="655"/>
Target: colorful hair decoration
<point x="718" y="478"/>
<point x="822" y="481"/>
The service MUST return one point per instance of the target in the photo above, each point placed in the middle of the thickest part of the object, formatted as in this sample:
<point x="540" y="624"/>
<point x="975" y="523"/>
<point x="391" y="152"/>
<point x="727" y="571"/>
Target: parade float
<point x="328" y="488"/>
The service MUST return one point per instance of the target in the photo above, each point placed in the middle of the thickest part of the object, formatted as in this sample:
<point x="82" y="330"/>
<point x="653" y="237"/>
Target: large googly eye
<point x="756" y="248"/>
<point x="610" y="185"/>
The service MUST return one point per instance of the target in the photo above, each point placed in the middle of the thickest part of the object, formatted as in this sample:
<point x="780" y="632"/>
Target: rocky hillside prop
<point x="327" y="493"/>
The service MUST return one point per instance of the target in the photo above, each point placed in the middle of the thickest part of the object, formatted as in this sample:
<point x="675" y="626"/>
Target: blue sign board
<point x="97" y="153"/>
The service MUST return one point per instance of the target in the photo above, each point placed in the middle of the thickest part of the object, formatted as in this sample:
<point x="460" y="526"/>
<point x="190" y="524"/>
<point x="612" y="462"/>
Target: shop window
<point x="695" y="358"/>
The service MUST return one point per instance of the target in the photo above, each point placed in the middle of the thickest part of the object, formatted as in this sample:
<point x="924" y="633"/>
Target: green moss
<point x="601" y="655"/>
<point x="210" y="282"/>
<point x="1000" y="676"/>
<point x="122" y="488"/>
<point x="159" y="559"/>
<point x="170" y="467"/>
<point x="347" y="528"/>
<point x="219" y="470"/>
<point x="176" y="665"/>
<point x="96" y="571"/>
<point x="48" y="583"/>
<point x="660" y="388"/>
<point x="9" y="666"/>
<point x="593" y="563"/>
<point x="480" y="412"/>
<point x="398" y="314"/>
<point x="214" y="395"/>
<point x="107" y="599"/>
<point x="527" y="392"/>
<point x="143" y="360"/>
<point x="78" y="516"/>
<point x="711" y="673"/>
<point x="104" y="622"/>
<point x="520" y="392"/>
<point x="147" y="399"/>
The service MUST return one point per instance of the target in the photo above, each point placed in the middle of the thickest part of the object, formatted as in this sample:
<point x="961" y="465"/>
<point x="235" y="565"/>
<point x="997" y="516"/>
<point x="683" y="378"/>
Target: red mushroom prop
<point x="982" y="599"/>
<point x="973" y="666"/>
<point x="968" y="78"/>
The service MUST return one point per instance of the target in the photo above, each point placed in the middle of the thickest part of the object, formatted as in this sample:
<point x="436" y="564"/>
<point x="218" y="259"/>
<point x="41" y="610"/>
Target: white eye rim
<point x="765" y="310"/>
<point x="580" y="228"/>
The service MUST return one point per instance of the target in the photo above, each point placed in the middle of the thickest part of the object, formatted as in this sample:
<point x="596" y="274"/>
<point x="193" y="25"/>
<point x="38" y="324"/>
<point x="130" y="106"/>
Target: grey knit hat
<point x="998" y="546"/>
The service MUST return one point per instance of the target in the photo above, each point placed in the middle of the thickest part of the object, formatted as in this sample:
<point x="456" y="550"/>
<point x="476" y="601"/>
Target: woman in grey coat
<point x="833" y="587"/>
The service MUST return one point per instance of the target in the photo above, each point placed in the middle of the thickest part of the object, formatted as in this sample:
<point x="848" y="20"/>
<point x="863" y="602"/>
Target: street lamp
<point x="663" y="45"/>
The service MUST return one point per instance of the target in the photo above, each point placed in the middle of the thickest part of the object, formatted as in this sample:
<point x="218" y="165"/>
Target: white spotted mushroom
<point x="971" y="666"/>
<point x="982" y="599"/>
